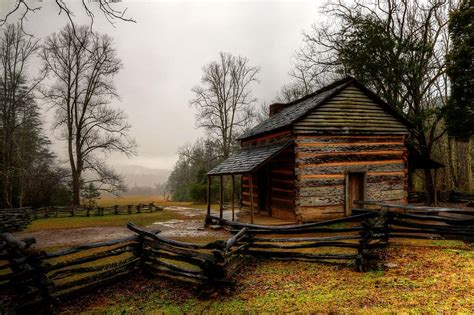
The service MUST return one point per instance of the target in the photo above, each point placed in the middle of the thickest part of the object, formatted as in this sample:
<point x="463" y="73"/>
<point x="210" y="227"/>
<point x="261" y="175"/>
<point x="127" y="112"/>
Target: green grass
<point x="140" y="219"/>
<point x="426" y="278"/>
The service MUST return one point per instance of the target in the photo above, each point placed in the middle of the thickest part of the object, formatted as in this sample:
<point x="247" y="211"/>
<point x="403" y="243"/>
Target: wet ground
<point x="191" y="227"/>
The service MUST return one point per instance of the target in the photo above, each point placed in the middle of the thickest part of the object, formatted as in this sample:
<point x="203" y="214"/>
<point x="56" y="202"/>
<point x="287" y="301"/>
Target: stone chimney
<point x="276" y="108"/>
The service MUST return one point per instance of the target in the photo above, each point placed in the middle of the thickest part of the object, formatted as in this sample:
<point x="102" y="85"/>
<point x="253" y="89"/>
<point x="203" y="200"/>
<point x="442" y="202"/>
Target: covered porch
<point x="265" y="197"/>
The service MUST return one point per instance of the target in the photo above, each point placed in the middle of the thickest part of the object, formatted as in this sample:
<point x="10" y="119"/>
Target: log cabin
<point x="313" y="157"/>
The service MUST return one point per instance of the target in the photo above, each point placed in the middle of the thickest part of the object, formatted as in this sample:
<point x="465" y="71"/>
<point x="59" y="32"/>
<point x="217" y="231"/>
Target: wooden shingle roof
<point x="249" y="159"/>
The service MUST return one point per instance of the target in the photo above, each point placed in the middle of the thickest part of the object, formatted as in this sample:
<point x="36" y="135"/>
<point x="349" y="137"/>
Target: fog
<point x="164" y="52"/>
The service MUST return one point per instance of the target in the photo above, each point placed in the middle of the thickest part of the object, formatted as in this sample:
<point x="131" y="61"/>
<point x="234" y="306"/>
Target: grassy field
<point x="141" y="219"/>
<point x="425" y="277"/>
<point x="134" y="200"/>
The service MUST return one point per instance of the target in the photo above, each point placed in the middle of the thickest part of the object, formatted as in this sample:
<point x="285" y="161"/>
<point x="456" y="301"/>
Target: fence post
<point x="129" y="209"/>
<point x="28" y="263"/>
<point x="115" y="209"/>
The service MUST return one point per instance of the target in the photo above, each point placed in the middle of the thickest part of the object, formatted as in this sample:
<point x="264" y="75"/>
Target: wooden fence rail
<point x="14" y="220"/>
<point x="42" y="279"/>
<point x="419" y="222"/>
<point x="17" y="219"/>
<point x="357" y="237"/>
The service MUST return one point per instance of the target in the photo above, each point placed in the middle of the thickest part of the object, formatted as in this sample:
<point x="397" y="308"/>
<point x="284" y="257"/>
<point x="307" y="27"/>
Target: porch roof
<point x="249" y="160"/>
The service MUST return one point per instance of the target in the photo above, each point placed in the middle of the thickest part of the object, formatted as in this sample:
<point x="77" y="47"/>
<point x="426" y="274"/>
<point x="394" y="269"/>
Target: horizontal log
<point x="75" y="292"/>
<point x="166" y="255"/>
<point x="109" y="253"/>
<point x="164" y="272"/>
<point x="392" y="230"/>
<point x="307" y="230"/>
<point x="320" y="201"/>
<point x="240" y="225"/>
<point x="443" y="228"/>
<point x="180" y="251"/>
<point x="60" y="274"/>
<point x="321" y="191"/>
<point x="277" y="254"/>
<point x="461" y="222"/>
<point x="212" y="245"/>
<point x="301" y="150"/>
<point x="305" y="245"/>
<point x="413" y="209"/>
<point x="81" y="248"/>
<point x="385" y="166"/>
<point x="152" y="262"/>
<point x="339" y="131"/>
<point x="396" y="194"/>
<point x="307" y="239"/>
<point x="92" y="278"/>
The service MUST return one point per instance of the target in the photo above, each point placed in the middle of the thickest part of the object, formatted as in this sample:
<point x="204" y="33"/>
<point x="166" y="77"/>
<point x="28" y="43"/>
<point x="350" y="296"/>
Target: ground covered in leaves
<point x="416" y="277"/>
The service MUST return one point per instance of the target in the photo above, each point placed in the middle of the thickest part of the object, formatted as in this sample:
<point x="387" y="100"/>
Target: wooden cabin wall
<point x="282" y="185"/>
<point x="275" y="137"/>
<point x="323" y="161"/>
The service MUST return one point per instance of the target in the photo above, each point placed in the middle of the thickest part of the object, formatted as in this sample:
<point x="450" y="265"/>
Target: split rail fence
<point x="40" y="279"/>
<point x="419" y="222"/>
<point x="356" y="236"/>
<point x="16" y="219"/>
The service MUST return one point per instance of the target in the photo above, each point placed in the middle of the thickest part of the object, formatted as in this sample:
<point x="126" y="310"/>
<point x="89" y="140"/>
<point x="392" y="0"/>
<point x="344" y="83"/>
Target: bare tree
<point x="398" y="48"/>
<point x="111" y="10"/>
<point x="262" y="113"/>
<point x="224" y="99"/>
<point x="16" y="50"/>
<point x="83" y="65"/>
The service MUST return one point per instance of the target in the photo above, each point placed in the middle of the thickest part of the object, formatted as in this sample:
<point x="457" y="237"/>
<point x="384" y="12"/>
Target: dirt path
<point x="174" y="228"/>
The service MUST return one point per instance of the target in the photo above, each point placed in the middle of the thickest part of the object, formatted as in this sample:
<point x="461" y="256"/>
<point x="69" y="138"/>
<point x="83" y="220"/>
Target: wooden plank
<point x="331" y="138"/>
<point x="351" y="163"/>
<point x="351" y="144"/>
<point x="364" y="149"/>
<point x="321" y="191"/>
<point x="316" y="170"/>
<point x="320" y="201"/>
<point x="347" y="157"/>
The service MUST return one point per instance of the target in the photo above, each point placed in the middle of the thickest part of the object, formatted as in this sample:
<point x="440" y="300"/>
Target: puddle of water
<point x="169" y="223"/>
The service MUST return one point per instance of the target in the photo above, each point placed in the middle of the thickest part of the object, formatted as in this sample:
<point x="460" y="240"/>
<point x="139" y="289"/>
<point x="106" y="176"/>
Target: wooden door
<point x="355" y="190"/>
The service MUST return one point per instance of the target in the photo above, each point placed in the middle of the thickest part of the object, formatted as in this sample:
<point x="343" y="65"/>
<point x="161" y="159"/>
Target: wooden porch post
<point x="232" y="198"/>
<point x="208" y="195"/>
<point x="221" y="206"/>
<point x="251" y="198"/>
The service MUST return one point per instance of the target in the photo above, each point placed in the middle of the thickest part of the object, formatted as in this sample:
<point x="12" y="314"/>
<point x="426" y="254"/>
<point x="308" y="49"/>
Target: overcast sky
<point x="164" y="52"/>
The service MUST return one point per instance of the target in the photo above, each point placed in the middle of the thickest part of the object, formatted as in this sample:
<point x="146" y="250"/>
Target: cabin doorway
<point x="264" y="192"/>
<point x="355" y="189"/>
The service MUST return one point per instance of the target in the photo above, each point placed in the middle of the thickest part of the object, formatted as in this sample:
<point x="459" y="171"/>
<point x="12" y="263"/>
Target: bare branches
<point x="109" y="9"/>
<point x="224" y="100"/>
<point x="83" y="65"/>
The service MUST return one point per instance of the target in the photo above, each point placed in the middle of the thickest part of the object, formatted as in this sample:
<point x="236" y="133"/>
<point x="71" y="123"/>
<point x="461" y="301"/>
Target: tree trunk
<point x="430" y="188"/>
<point x="76" y="189"/>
